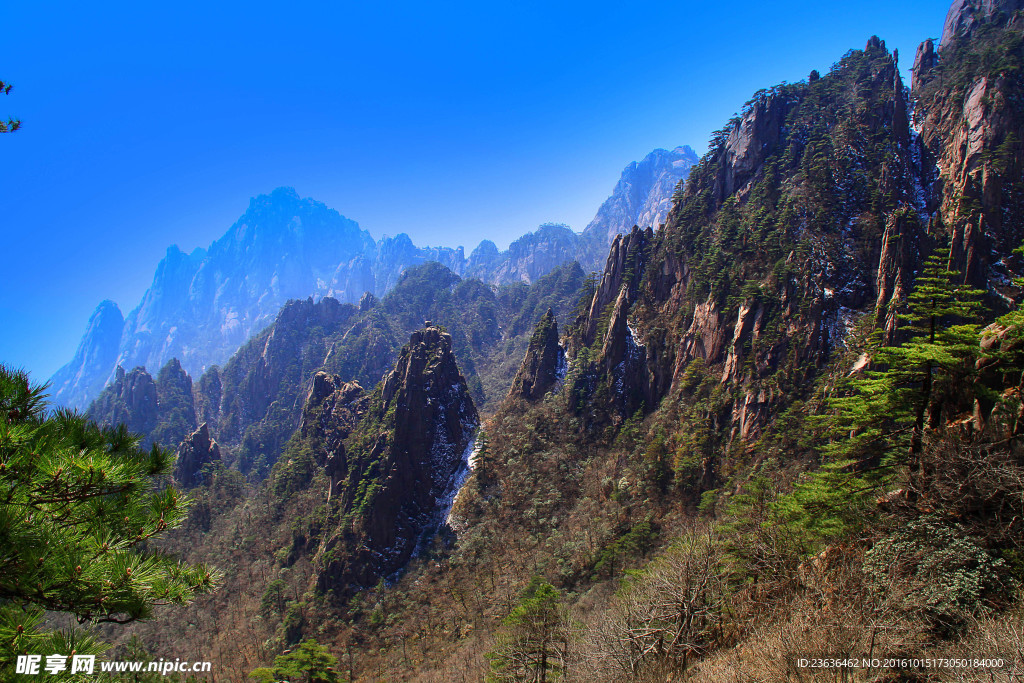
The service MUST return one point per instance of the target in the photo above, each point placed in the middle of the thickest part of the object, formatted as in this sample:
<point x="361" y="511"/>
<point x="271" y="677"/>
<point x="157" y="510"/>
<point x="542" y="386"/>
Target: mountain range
<point x="786" y="424"/>
<point x="204" y="305"/>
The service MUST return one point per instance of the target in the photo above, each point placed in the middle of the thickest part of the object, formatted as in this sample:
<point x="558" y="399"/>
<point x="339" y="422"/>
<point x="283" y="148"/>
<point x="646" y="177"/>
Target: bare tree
<point x="666" y="617"/>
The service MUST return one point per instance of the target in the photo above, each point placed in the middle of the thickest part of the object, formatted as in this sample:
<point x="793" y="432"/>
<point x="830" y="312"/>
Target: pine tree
<point x="10" y="125"/>
<point x="308" y="662"/>
<point x="913" y="385"/>
<point x="879" y="422"/>
<point x="532" y="647"/>
<point x="78" y="506"/>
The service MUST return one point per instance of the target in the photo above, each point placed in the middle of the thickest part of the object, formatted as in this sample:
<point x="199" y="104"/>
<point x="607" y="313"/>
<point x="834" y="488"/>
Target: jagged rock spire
<point x="402" y="464"/>
<point x="543" y="362"/>
<point x="197" y="450"/>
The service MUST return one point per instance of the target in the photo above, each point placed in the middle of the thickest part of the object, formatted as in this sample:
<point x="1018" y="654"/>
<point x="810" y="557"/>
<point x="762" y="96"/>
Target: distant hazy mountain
<point x="642" y="196"/>
<point x="82" y="379"/>
<point x="204" y="305"/>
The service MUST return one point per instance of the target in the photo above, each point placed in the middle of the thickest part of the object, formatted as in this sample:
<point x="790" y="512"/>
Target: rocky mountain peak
<point x="965" y="16"/>
<point x="750" y="141"/>
<point x="643" y="194"/>
<point x="198" y="449"/>
<point x="76" y="383"/>
<point x="401" y="463"/>
<point x="971" y="121"/>
<point x="331" y="412"/>
<point x="130" y="400"/>
<point x="162" y="411"/>
<point x="367" y="301"/>
<point x="924" y="61"/>
<point x="332" y="405"/>
<point x="623" y="270"/>
<point x="543" y="364"/>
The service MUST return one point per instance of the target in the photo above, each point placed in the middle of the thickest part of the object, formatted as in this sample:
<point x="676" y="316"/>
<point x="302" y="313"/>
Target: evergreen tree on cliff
<point x="78" y="505"/>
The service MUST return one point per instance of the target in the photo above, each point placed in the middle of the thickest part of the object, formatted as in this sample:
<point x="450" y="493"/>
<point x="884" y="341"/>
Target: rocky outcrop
<point x="617" y="363"/>
<point x="544" y="363"/>
<point x="643" y="195"/>
<point x="401" y="465"/>
<point x="901" y="252"/>
<point x="176" y="409"/>
<point x="750" y="141"/>
<point x="332" y="411"/>
<point x="924" y="62"/>
<point x="965" y="16"/>
<point x="971" y="124"/>
<point x="82" y="379"/>
<point x="161" y="411"/>
<point x="130" y="400"/>
<point x="623" y="270"/>
<point x="367" y="302"/>
<point x="206" y="396"/>
<point x="197" y="450"/>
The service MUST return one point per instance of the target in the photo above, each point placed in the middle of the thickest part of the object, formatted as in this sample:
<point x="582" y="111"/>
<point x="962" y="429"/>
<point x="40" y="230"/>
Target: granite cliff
<point x="399" y="466"/>
<point x="544" y="363"/>
<point x="162" y="411"/>
<point x="812" y="209"/>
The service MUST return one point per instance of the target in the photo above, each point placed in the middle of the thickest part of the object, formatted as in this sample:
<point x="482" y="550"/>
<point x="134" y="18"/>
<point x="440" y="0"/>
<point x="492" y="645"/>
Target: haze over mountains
<point x="204" y="305"/>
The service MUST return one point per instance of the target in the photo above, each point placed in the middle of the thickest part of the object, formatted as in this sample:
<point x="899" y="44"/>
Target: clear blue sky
<point x="148" y="124"/>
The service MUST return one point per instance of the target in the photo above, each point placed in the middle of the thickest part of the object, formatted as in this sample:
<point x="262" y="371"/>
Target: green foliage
<point x="295" y="469"/>
<point x="78" y="507"/>
<point x="221" y="488"/>
<point x="879" y="419"/>
<point x="938" y="570"/>
<point x="825" y="505"/>
<point x="924" y="378"/>
<point x="10" y="125"/>
<point x="308" y="662"/>
<point x="274" y="598"/>
<point x="534" y="640"/>
<point x="636" y="542"/>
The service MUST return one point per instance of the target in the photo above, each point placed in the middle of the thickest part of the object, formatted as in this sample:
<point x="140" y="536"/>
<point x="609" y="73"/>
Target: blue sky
<point x="147" y="125"/>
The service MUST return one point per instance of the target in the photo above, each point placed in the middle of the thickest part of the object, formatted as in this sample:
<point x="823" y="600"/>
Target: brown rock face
<point x="966" y="15"/>
<point x="624" y="268"/>
<point x="131" y="400"/>
<point x="900" y="252"/>
<point x="543" y="364"/>
<point x="196" y="450"/>
<point x="750" y="142"/>
<point x="332" y="411"/>
<point x="924" y="61"/>
<point x="401" y="465"/>
<point x="972" y="124"/>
